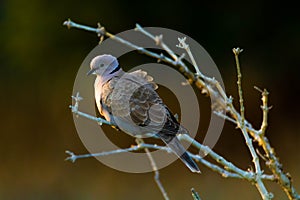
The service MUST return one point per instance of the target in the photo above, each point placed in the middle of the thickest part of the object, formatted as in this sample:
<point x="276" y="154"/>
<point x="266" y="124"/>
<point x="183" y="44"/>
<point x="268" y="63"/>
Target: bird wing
<point x="132" y="99"/>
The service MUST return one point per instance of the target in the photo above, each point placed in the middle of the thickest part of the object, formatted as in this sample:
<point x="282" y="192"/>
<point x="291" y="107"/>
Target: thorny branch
<point x="214" y="90"/>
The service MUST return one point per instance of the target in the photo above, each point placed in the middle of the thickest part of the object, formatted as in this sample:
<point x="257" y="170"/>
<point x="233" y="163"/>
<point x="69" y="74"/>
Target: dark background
<point x="39" y="61"/>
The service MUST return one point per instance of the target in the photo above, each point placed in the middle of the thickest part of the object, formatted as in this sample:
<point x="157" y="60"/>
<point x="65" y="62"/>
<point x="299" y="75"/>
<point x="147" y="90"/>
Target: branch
<point x="258" y="182"/>
<point x="183" y="45"/>
<point x="142" y="146"/>
<point x="284" y="179"/>
<point x="229" y="171"/>
<point x="208" y="85"/>
<point x="140" y="141"/>
<point x="180" y="65"/>
<point x="75" y="110"/>
<point x="159" y="41"/>
<point x="237" y="52"/>
<point x="265" y="108"/>
<point x="186" y="47"/>
<point x="228" y="166"/>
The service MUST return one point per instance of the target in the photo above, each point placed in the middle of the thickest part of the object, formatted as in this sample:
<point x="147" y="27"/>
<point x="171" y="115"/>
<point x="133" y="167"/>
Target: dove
<point x="130" y="101"/>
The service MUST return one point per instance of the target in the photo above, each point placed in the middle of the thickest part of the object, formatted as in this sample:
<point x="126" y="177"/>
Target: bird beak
<point x="91" y="71"/>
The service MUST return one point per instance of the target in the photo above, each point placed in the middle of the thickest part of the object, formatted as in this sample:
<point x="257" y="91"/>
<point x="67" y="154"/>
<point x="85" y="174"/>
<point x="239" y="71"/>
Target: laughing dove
<point x="130" y="101"/>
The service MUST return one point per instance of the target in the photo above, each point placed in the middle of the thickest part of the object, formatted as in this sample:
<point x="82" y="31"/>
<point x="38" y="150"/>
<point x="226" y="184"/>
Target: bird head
<point x="104" y="65"/>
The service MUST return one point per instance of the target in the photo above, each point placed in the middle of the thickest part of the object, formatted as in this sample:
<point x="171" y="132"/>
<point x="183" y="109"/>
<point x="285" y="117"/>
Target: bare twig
<point x="237" y="52"/>
<point x="102" y="31"/>
<point x="250" y="176"/>
<point x="140" y="141"/>
<point x="258" y="182"/>
<point x="284" y="179"/>
<point x="265" y="109"/>
<point x="229" y="171"/>
<point x="186" y="47"/>
<point x="73" y="157"/>
<point x="212" y="81"/>
<point x="158" y="40"/>
<point x="75" y="110"/>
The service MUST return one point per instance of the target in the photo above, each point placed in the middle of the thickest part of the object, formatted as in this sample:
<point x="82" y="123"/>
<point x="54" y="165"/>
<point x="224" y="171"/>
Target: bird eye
<point x="101" y="65"/>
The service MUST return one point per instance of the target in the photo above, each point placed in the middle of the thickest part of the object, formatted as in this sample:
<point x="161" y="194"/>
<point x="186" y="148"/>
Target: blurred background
<point x="39" y="61"/>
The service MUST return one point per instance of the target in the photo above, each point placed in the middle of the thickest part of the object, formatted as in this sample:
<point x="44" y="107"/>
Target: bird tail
<point x="180" y="151"/>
